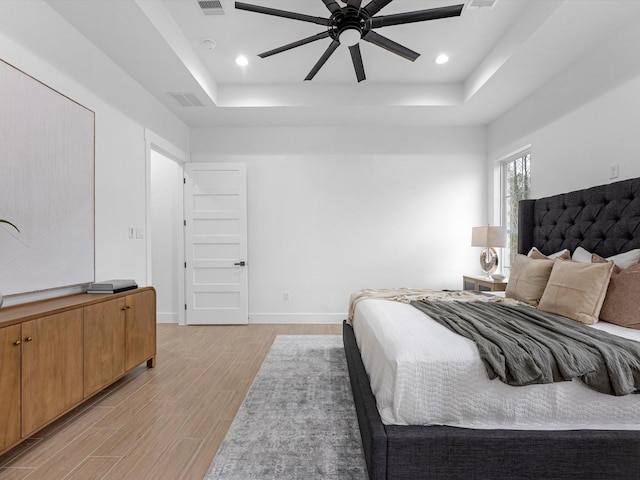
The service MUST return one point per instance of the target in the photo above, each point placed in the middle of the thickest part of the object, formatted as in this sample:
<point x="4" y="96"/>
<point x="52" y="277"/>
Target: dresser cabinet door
<point x="10" y="340"/>
<point x="104" y="325"/>
<point x="52" y="367"/>
<point x="141" y="328"/>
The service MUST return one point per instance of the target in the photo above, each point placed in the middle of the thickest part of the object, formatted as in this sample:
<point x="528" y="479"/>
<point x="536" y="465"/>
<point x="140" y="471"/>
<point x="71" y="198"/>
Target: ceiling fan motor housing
<point x="345" y="23"/>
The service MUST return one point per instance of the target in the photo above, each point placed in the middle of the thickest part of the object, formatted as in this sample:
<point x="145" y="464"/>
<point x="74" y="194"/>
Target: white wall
<point x="334" y="210"/>
<point x="581" y="122"/>
<point x="36" y="40"/>
<point x="331" y="209"/>
<point x="166" y="234"/>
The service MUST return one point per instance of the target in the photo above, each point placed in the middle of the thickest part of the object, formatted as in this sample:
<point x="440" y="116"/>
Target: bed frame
<point x="604" y="220"/>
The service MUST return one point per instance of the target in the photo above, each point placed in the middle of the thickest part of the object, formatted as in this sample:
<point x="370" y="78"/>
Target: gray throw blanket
<point x="522" y="346"/>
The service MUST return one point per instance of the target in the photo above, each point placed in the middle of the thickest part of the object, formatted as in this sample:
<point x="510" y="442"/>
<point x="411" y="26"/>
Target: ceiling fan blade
<point x="332" y="6"/>
<point x="375" y="6"/>
<point x="390" y="45"/>
<point x="325" y="56"/>
<point x="281" y="13"/>
<point x="354" y="3"/>
<point x="289" y="46"/>
<point x="356" y="57"/>
<point x="418" y="16"/>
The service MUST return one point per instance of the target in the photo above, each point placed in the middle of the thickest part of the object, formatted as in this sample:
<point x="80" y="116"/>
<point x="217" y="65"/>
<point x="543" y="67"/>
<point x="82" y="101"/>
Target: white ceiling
<point x="498" y="56"/>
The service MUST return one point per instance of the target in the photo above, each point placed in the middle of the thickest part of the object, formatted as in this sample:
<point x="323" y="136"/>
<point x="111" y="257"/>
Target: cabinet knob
<point x="17" y="342"/>
<point x="28" y="339"/>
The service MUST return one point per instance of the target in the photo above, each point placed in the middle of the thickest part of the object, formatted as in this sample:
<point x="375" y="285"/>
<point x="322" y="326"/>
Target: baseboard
<point x="167" y="318"/>
<point x="329" y="318"/>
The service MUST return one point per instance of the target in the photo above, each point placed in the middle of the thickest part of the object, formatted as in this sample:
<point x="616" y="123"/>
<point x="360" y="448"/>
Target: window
<point x="516" y="185"/>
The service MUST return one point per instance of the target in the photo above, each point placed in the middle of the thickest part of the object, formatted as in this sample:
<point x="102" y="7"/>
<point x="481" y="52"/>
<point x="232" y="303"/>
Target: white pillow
<point x="581" y="255"/>
<point x="561" y="254"/>
<point x="622" y="260"/>
<point x="626" y="259"/>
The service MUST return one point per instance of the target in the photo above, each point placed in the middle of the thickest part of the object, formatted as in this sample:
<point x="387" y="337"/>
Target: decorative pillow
<point x="595" y="258"/>
<point x="581" y="255"/>
<point x="538" y="255"/>
<point x="621" y="305"/>
<point x="528" y="278"/>
<point x="626" y="259"/>
<point x="622" y="260"/>
<point x="576" y="290"/>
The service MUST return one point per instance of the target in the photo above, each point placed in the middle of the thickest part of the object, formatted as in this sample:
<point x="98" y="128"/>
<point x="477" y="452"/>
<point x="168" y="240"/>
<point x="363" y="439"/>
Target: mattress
<point x="421" y="373"/>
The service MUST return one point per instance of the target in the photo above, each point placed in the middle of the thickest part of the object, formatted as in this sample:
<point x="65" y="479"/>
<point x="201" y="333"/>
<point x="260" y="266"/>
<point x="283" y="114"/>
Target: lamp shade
<point x="489" y="236"/>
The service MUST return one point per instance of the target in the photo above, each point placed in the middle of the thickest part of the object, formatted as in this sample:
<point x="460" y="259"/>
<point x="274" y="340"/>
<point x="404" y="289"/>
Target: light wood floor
<point x="161" y="423"/>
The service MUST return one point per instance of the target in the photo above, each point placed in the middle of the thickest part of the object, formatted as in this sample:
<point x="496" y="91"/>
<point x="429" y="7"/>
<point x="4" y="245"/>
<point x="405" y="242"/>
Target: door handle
<point x="240" y="264"/>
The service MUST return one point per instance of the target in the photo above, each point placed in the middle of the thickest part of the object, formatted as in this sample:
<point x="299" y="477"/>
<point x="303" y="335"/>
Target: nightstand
<point x="483" y="284"/>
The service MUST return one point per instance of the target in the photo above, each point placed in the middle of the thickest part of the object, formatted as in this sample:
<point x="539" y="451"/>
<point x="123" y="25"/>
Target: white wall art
<point x="46" y="186"/>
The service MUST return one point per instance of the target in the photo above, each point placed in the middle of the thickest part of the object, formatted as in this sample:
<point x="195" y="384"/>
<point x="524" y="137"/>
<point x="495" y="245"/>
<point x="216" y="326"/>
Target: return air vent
<point x="474" y="4"/>
<point x="211" y="7"/>
<point x="186" y="99"/>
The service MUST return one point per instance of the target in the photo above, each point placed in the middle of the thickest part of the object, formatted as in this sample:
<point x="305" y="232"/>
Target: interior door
<point x="216" y="243"/>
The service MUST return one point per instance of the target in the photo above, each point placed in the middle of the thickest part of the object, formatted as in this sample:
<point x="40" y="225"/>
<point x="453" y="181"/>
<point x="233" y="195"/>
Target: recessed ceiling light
<point x="442" y="59"/>
<point x="242" y="61"/>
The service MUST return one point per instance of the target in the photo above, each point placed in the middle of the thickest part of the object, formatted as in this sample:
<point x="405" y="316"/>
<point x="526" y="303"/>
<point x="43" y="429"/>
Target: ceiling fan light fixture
<point x="349" y="36"/>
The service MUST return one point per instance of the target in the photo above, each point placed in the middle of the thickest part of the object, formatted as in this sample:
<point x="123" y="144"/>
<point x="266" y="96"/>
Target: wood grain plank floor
<point x="164" y="423"/>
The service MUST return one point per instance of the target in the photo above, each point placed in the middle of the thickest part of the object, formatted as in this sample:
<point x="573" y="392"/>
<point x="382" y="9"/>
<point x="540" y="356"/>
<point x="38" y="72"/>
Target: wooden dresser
<point x="55" y="354"/>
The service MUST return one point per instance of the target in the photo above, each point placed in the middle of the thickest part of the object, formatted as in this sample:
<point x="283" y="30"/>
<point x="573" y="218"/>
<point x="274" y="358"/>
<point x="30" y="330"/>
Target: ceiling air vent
<point x="186" y="99"/>
<point x="473" y="4"/>
<point x="211" y="7"/>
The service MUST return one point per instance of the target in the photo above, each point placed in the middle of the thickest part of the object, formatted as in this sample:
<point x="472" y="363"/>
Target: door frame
<point x="160" y="145"/>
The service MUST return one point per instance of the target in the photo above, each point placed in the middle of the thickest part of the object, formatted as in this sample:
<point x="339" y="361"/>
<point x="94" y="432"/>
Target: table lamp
<point x="489" y="237"/>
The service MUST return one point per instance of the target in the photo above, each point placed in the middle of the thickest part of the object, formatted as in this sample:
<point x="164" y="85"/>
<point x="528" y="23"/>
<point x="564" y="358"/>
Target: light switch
<point x="139" y="232"/>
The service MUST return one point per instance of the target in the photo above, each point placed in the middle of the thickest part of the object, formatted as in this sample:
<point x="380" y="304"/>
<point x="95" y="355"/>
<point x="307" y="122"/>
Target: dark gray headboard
<point x="603" y="220"/>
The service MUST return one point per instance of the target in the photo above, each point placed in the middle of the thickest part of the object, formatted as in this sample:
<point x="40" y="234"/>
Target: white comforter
<point x="423" y="374"/>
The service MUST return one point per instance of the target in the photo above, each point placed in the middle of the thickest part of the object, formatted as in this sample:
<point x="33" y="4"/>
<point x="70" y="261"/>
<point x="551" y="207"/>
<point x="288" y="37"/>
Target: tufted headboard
<point x="603" y="220"/>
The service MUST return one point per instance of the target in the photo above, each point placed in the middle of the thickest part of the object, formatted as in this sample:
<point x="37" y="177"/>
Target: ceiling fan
<point x="349" y="24"/>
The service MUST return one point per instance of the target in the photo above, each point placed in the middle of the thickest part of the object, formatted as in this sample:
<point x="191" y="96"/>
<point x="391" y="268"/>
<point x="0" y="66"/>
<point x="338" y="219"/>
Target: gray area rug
<point x="298" y="420"/>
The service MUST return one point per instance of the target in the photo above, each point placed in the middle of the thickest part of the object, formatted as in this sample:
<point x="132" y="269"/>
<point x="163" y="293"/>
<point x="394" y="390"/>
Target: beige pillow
<point x="622" y="302"/>
<point x="576" y="290"/>
<point x="528" y="278"/>
<point x="538" y="255"/>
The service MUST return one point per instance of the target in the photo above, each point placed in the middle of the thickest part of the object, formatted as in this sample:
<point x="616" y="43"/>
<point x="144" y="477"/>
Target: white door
<point x="216" y="243"/>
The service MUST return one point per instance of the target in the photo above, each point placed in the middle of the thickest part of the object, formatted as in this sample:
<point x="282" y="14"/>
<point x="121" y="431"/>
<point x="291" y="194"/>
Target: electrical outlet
<point x="286" y="296"/>
<point x="139" y="232"/>
<point x="614" y="171"/>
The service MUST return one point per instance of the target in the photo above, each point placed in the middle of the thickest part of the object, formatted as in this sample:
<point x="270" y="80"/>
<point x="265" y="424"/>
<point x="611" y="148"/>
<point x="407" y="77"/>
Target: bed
<point x="604" y="220"/>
